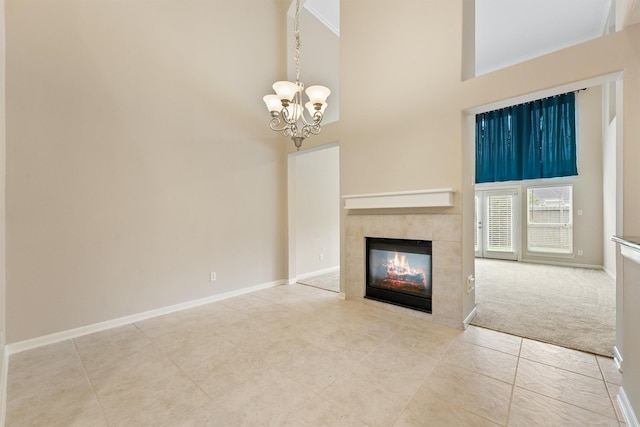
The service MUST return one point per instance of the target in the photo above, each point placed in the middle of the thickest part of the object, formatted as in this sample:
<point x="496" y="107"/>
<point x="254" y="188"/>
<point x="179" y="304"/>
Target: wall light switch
<point x="213" y="276"/>
<point x="579" y="211"/>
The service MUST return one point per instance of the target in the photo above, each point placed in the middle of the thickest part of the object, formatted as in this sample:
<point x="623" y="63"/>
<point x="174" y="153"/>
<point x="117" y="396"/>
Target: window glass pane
<point x="549" y="220"/>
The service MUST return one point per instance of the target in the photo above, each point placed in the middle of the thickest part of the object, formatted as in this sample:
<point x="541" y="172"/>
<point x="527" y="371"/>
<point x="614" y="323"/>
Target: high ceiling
<point x="327" y="12"/>
<point x="512" y="31"/>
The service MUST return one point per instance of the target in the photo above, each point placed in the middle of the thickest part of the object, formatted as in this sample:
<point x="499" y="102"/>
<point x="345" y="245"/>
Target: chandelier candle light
<point x="287" y="112"/>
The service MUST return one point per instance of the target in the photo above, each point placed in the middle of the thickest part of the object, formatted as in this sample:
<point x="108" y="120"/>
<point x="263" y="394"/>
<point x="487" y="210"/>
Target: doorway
<point x="314" y="217"/>
<point x="500" y="285"/>
<point x="496" y="227"/>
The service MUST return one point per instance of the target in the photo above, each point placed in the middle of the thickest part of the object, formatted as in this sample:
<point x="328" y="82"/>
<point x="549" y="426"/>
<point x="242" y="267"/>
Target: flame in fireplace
<point x="398" y="268"/>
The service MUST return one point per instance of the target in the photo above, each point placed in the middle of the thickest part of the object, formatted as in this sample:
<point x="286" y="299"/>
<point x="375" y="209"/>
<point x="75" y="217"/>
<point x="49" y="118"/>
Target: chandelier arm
<point x="292" y="130"/>
<point x="276" y="122"/>
<point x="288" y="118"/>
<point x="312" y="129"/>
<point x="315" y="119"/>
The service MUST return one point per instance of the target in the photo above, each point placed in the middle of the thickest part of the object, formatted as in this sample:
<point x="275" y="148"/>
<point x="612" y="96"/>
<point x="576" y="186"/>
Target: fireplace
<point x="398" y="271"/>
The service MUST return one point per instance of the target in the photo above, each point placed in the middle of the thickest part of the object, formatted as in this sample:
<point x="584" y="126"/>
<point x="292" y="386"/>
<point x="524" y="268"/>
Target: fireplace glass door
<point x="399" y="272"/>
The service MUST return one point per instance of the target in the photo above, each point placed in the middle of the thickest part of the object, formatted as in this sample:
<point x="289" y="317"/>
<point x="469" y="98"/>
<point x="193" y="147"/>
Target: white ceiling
<point x="327" y="12"/>
<point x="512" y="31"/>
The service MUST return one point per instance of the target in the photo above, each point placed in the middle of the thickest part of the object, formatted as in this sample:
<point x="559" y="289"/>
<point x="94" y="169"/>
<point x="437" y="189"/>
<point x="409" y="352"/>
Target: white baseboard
<point x="610" y="274"/>
<point x="4" y="373"/>
<point x="617" y="358"/>
<point x="467" y="321"/>
<point x="101" y="326"/>
<point x="560" y="263"/>
<point x="317" y="273"/>
<point x="627" y="410"/>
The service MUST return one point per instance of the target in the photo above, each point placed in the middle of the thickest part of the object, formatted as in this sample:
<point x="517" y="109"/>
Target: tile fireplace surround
<point x="444" y="230"/>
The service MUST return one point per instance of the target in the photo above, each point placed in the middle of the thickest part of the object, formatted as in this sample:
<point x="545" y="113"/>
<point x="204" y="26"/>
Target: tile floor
<point x="299" y="356"/>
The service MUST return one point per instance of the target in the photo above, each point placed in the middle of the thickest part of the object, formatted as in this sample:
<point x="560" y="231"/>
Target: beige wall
<point x="627" y="12"/>
<point x="139" y="156"/>
<point x="400" y="102"/>
<point x="2" y="189"/>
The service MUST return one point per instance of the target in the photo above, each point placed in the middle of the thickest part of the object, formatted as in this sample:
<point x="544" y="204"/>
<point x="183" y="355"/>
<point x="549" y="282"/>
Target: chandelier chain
<point x="296" y="31"/>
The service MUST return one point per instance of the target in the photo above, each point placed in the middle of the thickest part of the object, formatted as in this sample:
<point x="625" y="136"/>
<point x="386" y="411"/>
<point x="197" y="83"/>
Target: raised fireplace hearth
<point x="398" y="271"/>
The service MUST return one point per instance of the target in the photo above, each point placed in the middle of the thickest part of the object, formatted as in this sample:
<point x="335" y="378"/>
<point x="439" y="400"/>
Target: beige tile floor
<point x="299" y="356"/>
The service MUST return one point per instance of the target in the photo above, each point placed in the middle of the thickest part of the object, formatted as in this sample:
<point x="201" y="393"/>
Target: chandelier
<point x="286" y="108"/>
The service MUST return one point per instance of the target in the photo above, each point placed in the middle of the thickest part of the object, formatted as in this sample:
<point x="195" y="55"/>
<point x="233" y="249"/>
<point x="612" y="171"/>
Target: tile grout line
<point x="513" y="386"/>
<point x="601" y="379"/>
<point x="611" y="398"/>
<point x="86" y="375"/>
<point x="440" y="359"/>
<point x="182" y="371"/>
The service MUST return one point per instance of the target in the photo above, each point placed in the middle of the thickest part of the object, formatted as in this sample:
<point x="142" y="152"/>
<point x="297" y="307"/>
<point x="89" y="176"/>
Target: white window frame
<point x="568" y="225"/>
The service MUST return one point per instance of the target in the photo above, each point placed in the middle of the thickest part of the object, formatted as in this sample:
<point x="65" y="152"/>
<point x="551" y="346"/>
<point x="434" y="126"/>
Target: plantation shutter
<point x="500" y="227"/>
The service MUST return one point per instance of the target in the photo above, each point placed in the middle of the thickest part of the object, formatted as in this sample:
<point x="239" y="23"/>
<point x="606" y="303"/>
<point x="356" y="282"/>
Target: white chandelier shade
<point x="286" y="90"/>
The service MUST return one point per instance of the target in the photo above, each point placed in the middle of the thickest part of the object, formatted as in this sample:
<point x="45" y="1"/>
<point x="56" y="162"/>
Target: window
<point x="550" y="220"/>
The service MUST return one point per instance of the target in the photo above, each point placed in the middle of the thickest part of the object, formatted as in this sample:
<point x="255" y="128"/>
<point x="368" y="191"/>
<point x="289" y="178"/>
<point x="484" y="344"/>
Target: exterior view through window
<point x="550" y="219"/>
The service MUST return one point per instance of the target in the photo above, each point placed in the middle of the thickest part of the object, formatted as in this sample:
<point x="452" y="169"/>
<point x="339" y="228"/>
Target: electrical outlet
<point x="213" y="276"/>
<point x="321" y="256"/>
<point x="580" y="252"/>
<point x="471" y="283"/>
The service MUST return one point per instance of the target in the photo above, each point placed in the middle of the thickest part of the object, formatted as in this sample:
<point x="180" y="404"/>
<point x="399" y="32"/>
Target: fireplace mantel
<point x="442" y="197"/>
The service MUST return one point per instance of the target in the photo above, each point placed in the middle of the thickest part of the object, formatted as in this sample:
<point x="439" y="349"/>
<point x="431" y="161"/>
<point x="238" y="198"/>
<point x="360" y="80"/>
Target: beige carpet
<point x="328" y="281"/>
<point x="570" y="307"/>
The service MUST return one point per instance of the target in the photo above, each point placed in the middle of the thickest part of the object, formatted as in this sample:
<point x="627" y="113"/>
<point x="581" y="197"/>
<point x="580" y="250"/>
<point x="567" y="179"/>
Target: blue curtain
<point x="527" y="141"/>
<point x="528" y="119"/>
<point x="497" y="154"/>
<point x="558" y="136"/>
